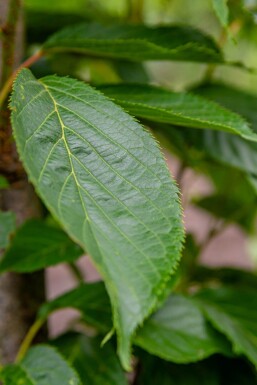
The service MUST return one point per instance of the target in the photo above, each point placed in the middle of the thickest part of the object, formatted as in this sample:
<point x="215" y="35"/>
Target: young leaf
<point x="160" y="105"/>
<point x="41" y="366"/>
<point x="178" y="332"/>
<point x="104" y="178"/>
<point x="233" y="312"/>
<point x="95" y="365"/>
<point x="37" y="245"/>
<point x="221" y="9"/>
<point x="136" y="42"/>
<point x="7" y="227"/>
<point x="90" y="299"/>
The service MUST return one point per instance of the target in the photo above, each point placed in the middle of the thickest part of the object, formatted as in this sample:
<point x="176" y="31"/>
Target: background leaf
<point x="222" y="11"/>
<point x="233" y="312"/>
<point x="90" y="299"/>
<point x="7" y="227"/>
<point x="136" y="42"/>
<point x="3" y="182"/>
<point x="178" y="332"/>
<point x="42" y="365"/>
<point x="182" y="109"/>
<point x="106" y="181"/>
<point x="95" y="365"/>
<point x="37" y="245"/>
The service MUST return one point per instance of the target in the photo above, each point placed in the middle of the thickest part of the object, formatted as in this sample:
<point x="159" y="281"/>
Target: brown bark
<point x="20" y="294"/>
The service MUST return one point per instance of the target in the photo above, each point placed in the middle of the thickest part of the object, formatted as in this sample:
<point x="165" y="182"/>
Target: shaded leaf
<point x="136" y="42"/>
<point x="104" y="178"/>
<point x="95" y="365"/>
<point x="90" y="299"/>
<point x="42" y="365"/>
<point x="37" y="245"/>
<point x="7" y="227"/>
<point x="233" y="312"/>
<point x="182" y="109"/>
<point x="178" y="332"/>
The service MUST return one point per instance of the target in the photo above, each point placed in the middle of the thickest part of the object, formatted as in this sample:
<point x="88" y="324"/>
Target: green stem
<point x="7" y="86"/>
<point x="135" y="10"/>
<point x="29" y="339"/>
<point x="8" y="35"/>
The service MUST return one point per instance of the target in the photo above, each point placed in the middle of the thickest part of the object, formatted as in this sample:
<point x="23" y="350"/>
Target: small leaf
<point x="7" y="227"/>
<point x="182" y="109"/>
<point x="95" y="365"/>
<point x="136" y="42"/>
<point x="90" y="299"/>
<point x="41" y="366"/>
<point x="104" y="178"/>
<point x="221" y="9"/>
<point x="3" y="182"/>
<point x="233" y="312"/>
<point x="178" y="332"/>
<point x="36" y="246"/>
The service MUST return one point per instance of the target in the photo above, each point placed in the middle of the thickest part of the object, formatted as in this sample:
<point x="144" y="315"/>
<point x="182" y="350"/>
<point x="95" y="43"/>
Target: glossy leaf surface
<point x="136" y="42"/>
<point x="104" y="178"/>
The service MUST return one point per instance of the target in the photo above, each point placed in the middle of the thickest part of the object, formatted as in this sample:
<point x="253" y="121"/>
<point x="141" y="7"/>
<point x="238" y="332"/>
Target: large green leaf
<point x="233" y="312"/>
<point x="95" y="365"/>
<point x="178" y="332"/>
<point x="37" y="245"/>
<point x="160" y="105"/>
<point x="104" y="178"/>
<point x="90" y="299"/>
<point x="42" y="365"/>
<point x="7" y="227"/>
<point x="136" y="42"/>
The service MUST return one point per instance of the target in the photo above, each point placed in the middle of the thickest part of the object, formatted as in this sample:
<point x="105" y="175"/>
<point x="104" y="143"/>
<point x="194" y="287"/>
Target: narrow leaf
<point x="178" y="332"/>
<point x="221" y="9"/>
<point x="41" y="366"/>
<point x="37" y="245"/>
<point x="7" y="227"/>
<point x="90" y="299"/>
<point x="233" y="312"/>
<point x="136" y="42"/>
<point x="182" y="109"/>
<point x="95" y="365"/>
<point x="104" y="178"/>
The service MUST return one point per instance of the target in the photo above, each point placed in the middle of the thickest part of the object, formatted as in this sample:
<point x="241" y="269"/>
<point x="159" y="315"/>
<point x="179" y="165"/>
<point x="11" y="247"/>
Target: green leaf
<point x="104" y="178"/>
<point x="7" y="227"/>
<point x="225" y="148"/>
<point x="41" y="366"/>
<point x="222" y="11"/>
<point x="90" y="299"/>
<point x="37" y="245"/>
<point x="233" y="312"/>
<point x="95" y="365"/>
<point x="3" y="182"/>
<point x="182" y="109"/>
<point x="136" y="42"/>
<point x="178" y="332"/>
